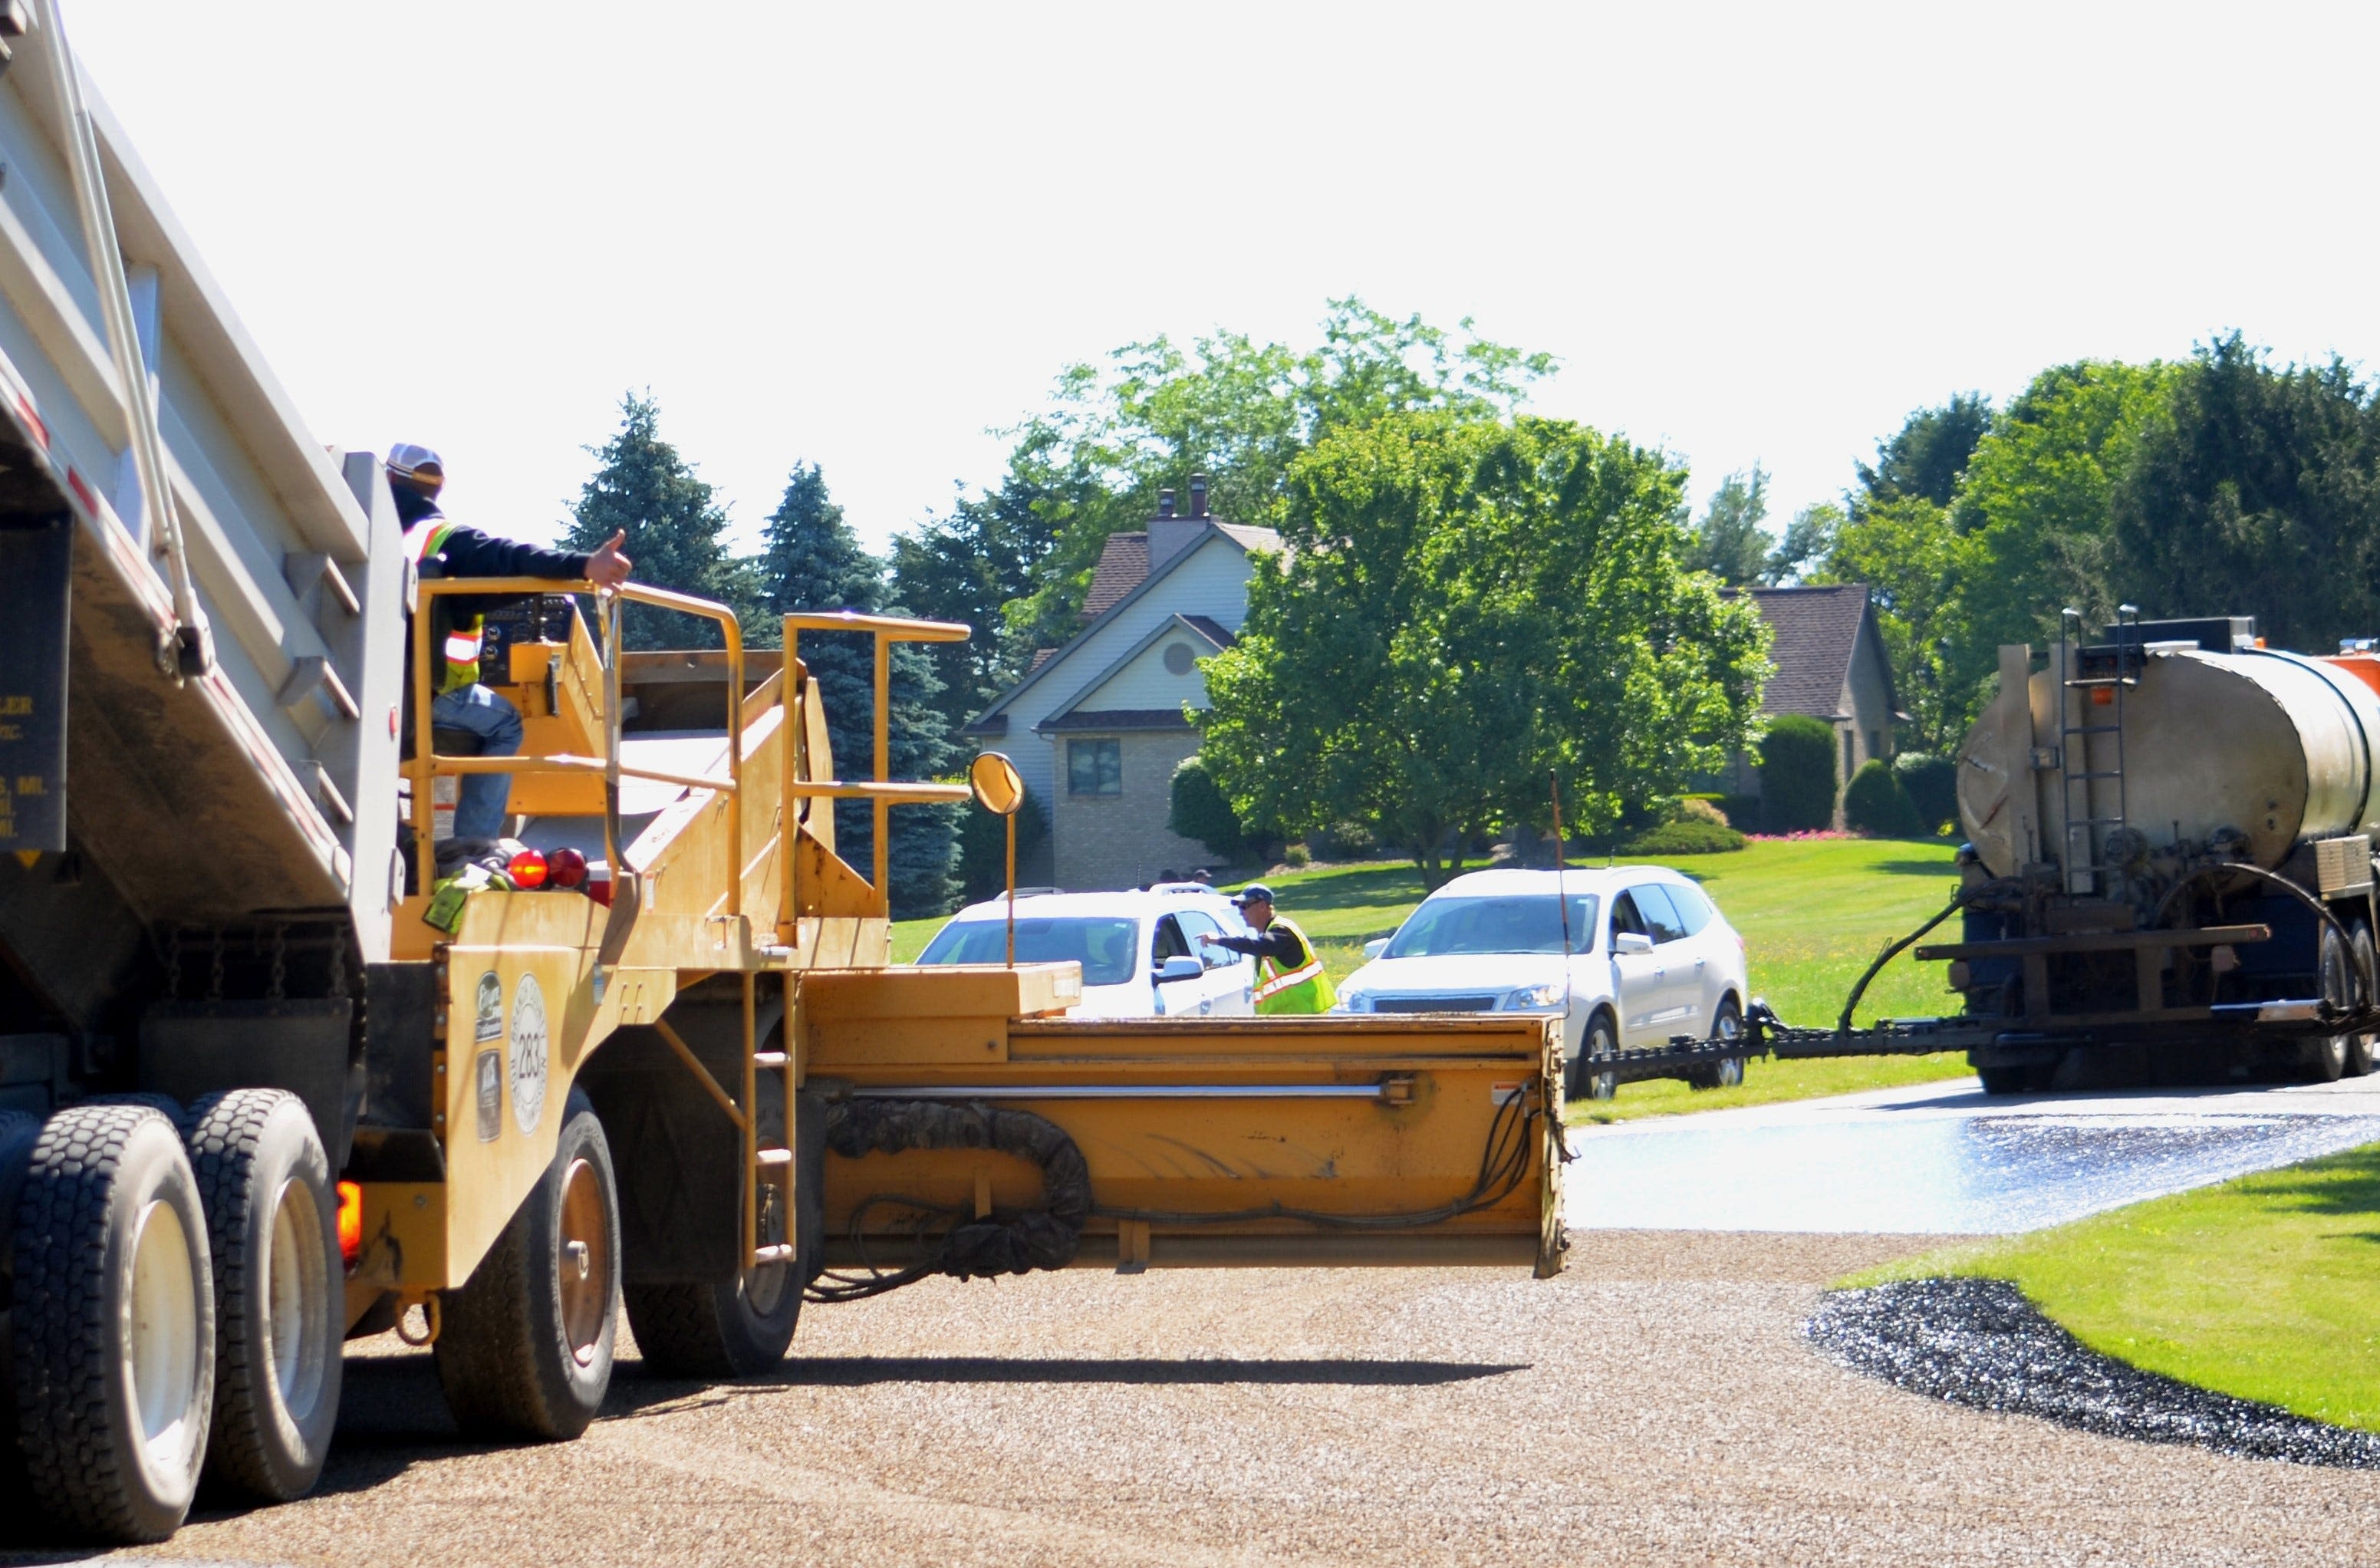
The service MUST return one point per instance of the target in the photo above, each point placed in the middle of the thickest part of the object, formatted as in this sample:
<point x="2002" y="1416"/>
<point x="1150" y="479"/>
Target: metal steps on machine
<point x="2084" y="862"/>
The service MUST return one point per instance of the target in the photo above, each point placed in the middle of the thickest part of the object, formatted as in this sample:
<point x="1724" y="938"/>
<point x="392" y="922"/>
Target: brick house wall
<point x="1117" y="840"/>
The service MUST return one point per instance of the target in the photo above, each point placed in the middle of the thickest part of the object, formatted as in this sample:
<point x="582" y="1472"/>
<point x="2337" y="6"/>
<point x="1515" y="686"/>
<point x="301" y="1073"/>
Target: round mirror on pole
<point x="999" y="790"/>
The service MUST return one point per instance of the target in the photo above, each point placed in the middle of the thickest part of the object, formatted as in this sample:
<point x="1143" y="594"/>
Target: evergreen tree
<point x="676" y="531"/>
<point x="811" y="559"/>
<point x="1730" y="542"/>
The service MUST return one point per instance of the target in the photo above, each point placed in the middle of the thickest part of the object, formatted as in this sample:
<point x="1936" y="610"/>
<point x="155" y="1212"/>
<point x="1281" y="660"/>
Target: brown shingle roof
<point x="1123" y="566"/>
<point x="1817" y="633"/>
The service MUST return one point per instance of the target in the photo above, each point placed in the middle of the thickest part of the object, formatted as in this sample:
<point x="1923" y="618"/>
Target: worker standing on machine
<point x="1290" y="977"/>
<point x="460" y="701"/>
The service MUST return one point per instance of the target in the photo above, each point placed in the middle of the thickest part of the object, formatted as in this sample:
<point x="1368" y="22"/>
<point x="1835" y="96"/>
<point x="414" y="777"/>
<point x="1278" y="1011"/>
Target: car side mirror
<point x="1375" y="947"/>
<point x="1631" y="942"/>
<point x="1183" y="967"/>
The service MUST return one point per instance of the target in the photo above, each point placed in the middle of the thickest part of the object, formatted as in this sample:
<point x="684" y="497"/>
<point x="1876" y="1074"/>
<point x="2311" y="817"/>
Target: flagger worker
<point x="1290" y="977"/>
<point x="460" y="701"/>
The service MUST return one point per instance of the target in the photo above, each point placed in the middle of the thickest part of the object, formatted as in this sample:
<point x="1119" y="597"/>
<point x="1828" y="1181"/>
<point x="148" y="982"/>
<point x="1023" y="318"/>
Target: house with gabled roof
<point x="1833" y="666"/>
<point x="1098" y="727"/>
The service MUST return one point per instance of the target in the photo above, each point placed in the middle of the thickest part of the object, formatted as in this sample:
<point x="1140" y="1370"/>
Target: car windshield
<point x="1103" y="945"/>
<point x="1521" y="923"/>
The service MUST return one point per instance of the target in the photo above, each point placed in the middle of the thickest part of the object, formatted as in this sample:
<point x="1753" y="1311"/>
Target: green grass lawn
<point x="2267" y="1287"/>
<point x="1812" y="913"/>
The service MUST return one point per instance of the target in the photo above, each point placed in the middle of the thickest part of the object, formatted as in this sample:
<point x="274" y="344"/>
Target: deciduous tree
<point x="1464" y="606"/>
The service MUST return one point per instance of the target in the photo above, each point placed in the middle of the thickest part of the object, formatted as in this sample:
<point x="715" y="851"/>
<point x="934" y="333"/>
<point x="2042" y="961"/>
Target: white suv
<point x="1139" y="951"/>
<point x="1649" y="957"/>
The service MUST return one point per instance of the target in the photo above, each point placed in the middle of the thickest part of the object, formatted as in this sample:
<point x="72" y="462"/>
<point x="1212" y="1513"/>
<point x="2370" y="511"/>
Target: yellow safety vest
<point x="463" y="634"/>
<point x="1306" y="988"/>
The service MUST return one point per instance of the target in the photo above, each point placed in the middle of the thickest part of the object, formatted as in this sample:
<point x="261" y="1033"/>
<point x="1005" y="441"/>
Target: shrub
<point x="1742" y="811"/>
<point x="983" y="846"/>
<point x="1200" y="812"/>
<point x="1296" y="857"/>
<point x="1877" y="805"/>
<point x="1700" y="808"/>
<point x="1688" y="836"/>
<point x="1932" y="787"/>
<point x="1797" y="774"/>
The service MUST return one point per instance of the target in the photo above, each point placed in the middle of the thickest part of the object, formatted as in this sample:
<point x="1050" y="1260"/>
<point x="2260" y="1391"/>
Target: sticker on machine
<point x="488" y="1067"/>
<point x="527" y="1055"/>
<point x="488" y="1024"/>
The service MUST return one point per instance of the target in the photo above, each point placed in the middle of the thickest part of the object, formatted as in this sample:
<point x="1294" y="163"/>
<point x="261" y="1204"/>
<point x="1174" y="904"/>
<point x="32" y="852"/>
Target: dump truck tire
<point x="525" y="1347"/>
<point x="114" y="1327"/>
<point x="271" y="1231"/>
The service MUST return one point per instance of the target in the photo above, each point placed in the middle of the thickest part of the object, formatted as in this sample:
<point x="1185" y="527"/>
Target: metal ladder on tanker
<point x="2082" y="863"/>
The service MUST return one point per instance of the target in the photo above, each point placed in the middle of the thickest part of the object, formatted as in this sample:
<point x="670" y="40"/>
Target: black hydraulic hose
<point x="1843" y="1023"/>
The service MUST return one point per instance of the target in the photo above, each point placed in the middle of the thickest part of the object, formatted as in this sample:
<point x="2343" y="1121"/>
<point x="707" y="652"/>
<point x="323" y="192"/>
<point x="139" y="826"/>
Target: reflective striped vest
<point x="1306" y="988"/>
<point x="463" y="634"/>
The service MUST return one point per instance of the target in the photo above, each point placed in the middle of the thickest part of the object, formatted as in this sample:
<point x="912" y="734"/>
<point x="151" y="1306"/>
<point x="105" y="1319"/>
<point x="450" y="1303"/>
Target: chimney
<point x="1169" y="533"/>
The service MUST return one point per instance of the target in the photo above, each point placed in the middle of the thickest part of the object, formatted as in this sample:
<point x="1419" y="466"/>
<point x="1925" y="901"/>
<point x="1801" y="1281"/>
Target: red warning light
<point x="527" y="869"/>
<point x="351" y="1221"/>
<point x="567" y="866"/>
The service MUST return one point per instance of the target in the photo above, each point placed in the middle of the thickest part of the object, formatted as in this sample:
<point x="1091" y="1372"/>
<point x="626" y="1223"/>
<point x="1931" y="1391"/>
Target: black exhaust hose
<point x="1007" y="1240"/>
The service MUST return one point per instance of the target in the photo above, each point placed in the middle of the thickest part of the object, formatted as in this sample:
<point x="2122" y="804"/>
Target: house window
<point x="1095" y="767"/>
<point x="1876" y="742"/>
<point x="1850" y="749"/>
<point x="1179" y="658"/>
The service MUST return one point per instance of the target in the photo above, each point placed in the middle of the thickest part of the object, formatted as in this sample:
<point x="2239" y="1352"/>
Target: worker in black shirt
<point x="1290" y="977"/>
<point x="460" y="700"/>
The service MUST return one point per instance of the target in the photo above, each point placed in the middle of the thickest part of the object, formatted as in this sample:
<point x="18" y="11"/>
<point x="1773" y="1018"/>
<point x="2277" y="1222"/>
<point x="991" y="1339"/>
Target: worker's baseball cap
<point x="408" y="461"/>
<point x="1254" y="893"/>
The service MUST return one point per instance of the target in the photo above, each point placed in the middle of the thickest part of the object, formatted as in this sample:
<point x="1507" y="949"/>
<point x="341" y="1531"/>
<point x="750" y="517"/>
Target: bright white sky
<point x="863" y="235"/>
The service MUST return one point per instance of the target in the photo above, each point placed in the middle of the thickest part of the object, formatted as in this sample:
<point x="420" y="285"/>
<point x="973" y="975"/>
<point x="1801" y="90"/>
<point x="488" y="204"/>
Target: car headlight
<point x="1546" y="995"/>
<point x="1355" y="1001"/>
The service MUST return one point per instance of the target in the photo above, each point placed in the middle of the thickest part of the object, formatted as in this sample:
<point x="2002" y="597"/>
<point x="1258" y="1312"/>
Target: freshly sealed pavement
<point x="1948" y="1159"/>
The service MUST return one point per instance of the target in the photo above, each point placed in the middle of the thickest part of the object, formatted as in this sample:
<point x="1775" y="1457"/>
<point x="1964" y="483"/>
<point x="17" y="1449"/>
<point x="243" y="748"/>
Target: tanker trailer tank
<point x="2245" y="754"/>
<point x="2168" y="874"/>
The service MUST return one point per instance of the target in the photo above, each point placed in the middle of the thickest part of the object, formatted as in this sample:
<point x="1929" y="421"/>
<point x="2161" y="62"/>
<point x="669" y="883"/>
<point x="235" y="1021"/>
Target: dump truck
<point x="274" y="1073"/>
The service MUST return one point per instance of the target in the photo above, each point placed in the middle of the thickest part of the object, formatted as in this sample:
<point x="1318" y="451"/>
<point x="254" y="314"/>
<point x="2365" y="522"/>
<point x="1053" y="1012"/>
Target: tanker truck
<point x="2169" y="865"/>
<point x="2167" y="875"/>
<point x="276" y="1073"/>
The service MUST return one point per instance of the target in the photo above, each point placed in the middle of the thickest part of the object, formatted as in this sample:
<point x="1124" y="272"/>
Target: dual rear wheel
<point x="174" y="1303"/>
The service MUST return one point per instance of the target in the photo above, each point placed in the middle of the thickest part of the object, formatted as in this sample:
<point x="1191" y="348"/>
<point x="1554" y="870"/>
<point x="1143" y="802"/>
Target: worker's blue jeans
<point x="483" y="803"/>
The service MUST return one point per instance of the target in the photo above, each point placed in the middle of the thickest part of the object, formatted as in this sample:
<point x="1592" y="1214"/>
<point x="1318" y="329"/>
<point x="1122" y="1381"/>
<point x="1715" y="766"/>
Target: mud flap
<point x="35" y="559"/>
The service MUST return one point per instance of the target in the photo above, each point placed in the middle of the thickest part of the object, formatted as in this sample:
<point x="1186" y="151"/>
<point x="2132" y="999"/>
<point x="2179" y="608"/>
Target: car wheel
<point x="1601" y="1042"/>
<point x="1726" y="1023"/>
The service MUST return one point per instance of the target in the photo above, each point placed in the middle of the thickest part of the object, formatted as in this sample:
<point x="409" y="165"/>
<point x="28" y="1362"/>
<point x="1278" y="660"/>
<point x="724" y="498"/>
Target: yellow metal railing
<point x="426" y="765"/>
<point x="881" y="791"/>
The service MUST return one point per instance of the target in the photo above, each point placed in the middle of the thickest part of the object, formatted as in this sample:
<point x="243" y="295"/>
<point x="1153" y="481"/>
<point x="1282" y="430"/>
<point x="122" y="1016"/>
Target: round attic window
<point x="1178" y="658"/>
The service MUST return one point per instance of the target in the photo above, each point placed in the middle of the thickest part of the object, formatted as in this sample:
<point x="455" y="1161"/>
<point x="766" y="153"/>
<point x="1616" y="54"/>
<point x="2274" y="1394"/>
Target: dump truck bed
<point x="235" y="789"/>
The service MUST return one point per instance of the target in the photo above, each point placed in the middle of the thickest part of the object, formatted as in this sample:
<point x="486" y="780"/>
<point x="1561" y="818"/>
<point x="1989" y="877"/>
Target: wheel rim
<point x="583" y="1261"/>
<point x="164" y="1342"/>
<point x="298" y="1280"/>
<point x="1601" y="1085"/>
<point x="1729" y="1025"/>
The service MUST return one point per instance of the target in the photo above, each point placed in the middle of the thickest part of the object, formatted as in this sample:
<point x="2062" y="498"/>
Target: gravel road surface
<point x="1659" y="1403"/>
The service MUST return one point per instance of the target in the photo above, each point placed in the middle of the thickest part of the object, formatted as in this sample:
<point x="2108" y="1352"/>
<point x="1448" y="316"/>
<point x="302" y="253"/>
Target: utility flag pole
<point x="1561" y="863"/>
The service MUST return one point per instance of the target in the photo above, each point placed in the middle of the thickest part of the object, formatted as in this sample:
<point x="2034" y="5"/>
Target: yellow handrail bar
<point x="885" y="630"/>
<point x="426" y="764"/>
